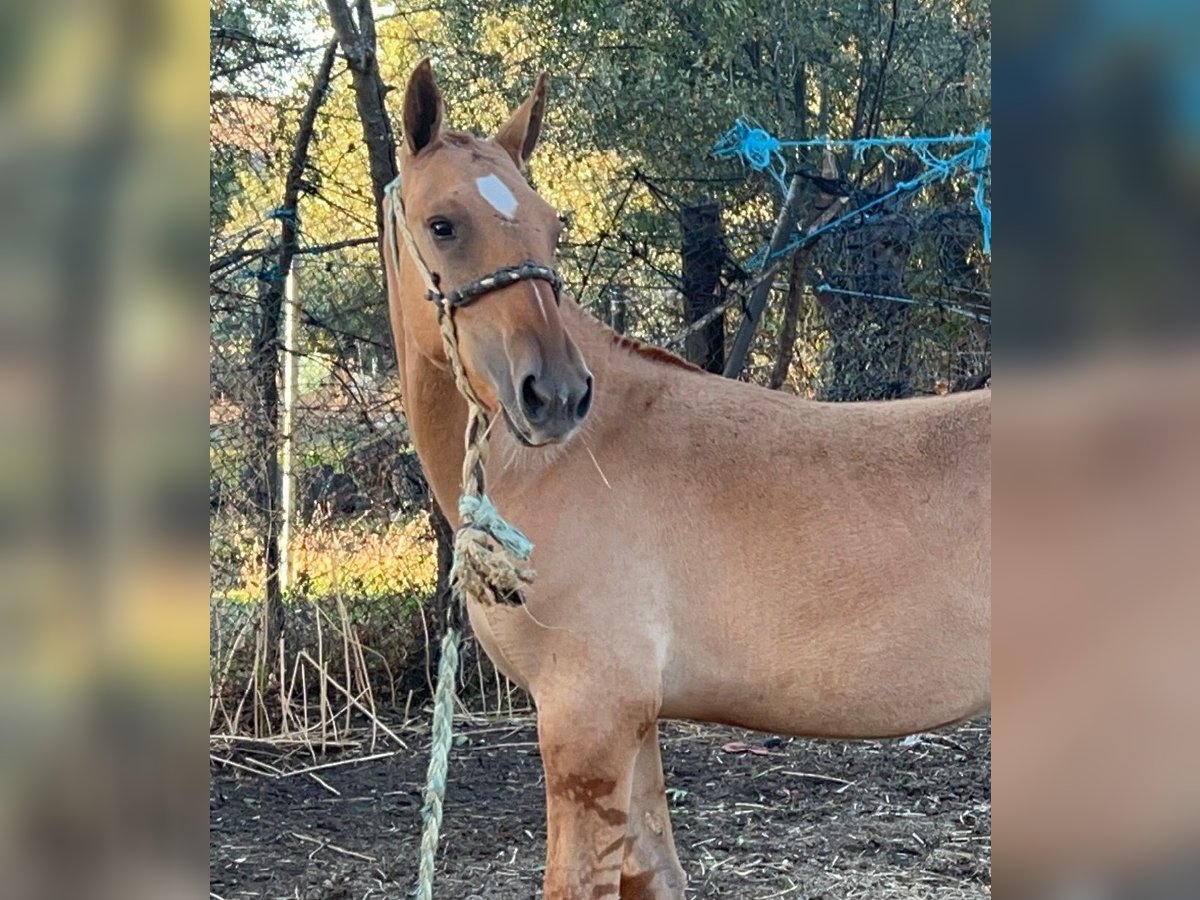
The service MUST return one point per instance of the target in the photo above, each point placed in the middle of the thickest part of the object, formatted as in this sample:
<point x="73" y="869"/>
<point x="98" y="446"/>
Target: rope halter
<point x="501" y="278"/>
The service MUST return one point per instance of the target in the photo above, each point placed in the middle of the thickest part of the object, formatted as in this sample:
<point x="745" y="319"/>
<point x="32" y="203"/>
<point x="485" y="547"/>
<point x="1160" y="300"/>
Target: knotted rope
<point x="487" y="549"/>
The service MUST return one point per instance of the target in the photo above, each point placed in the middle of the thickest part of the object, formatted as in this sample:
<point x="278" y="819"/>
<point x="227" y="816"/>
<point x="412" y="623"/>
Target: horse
<point x="706" y="549"/>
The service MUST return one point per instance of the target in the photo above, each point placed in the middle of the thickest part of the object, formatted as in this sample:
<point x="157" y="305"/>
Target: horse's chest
<point x="496" y="636"/>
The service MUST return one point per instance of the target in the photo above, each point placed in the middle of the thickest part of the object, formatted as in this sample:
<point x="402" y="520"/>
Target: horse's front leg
<point x="651" y="870"/>
<point x="589" y="746"/>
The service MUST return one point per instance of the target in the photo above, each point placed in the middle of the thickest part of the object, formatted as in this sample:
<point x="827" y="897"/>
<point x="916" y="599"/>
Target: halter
<point x="502" y="277"/>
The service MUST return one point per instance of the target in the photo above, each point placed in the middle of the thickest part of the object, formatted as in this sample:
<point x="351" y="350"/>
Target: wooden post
<point x="287" y="444"/>
<point x="825" y="208"/>
<point x="758" y="299"/>
<point x="617" y="307"/>
<point x="786" y="349"/>
<point x="703" y="252"/>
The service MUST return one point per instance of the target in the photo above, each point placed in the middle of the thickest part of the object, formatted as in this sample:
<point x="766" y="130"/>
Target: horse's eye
<point x="442" y="230"/>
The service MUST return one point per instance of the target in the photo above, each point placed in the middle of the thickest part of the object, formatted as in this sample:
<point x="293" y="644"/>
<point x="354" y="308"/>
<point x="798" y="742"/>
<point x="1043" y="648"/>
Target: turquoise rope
<point x="481" y="513"/>
<point x="439" y="758"/>
<point x="763" y="151"/>
<point x="940" y="304"/>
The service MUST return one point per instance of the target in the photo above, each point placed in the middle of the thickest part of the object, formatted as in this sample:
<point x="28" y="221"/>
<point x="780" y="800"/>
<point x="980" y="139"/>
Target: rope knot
<point x="754" y="145"/>
<point x="485" y="548"/>
<point x="480" y="512"/>
<point x="757" y="148"/>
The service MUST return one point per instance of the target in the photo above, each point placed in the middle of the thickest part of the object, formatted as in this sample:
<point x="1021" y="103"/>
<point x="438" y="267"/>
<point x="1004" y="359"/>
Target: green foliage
<point x="637" y="86"/>
<point x="248" y="38"/>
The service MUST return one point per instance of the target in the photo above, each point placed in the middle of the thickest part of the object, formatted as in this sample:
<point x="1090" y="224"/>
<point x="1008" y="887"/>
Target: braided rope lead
<point x="486" y="547"/>
<point x="439" y="760"/>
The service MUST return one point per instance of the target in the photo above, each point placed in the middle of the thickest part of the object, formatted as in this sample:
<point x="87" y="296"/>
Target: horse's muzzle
<point x="548" y="409"/>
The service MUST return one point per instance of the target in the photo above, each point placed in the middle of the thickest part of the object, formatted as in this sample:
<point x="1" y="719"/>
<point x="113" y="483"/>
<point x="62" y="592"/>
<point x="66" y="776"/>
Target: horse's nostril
<point x="534" y="403"/>
<point x="585" y="402"/>
<point x="554" y="405"/>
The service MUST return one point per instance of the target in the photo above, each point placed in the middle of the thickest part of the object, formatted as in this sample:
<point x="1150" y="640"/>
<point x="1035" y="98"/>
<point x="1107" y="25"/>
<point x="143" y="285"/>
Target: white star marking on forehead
<point x="496" y="192"/>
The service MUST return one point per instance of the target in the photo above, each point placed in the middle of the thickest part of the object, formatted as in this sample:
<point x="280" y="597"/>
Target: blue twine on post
<point x="283" y="212"/>
<point x="482" y="514"/>
<point x="981" y="161"/>
<point x="755" y="147"/>
<point x="762" y="151"/>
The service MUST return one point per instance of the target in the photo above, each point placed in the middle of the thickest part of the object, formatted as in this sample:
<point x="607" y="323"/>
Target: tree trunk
<point x="440" y="611"/>
<point x="264" y="372"/>
<point x="800" y="100"/>
<point x="824" y="208"/>
<point x="758" y="298"/>
<point x="358" y="46"/>
<point x="703" y="252"/>
<point x="868" y="354"/>
<point x="791" y="319"/>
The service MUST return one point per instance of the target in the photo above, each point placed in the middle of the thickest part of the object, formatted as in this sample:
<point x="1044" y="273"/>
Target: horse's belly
<point x="839" y="678"/>
<point x="858" y="715"/>
<point x="805" y="717"/>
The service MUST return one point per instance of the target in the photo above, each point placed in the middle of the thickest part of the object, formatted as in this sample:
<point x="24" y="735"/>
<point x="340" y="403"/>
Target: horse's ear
<point x="423" y="108"/>
<point x="519" y="135"/>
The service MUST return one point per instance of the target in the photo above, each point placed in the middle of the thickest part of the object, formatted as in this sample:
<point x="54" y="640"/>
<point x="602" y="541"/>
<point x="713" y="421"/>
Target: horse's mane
<point x="632" y="345"/>
<point x="658" y="354"/>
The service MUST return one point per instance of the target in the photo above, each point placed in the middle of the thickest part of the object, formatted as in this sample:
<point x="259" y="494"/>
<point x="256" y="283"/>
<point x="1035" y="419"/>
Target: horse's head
<point x="471" y="214"/>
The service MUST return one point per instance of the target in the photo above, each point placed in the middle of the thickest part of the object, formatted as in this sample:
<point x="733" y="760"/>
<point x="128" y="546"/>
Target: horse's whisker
<point x="538" y="622"/>
<point x="594" y="462"/>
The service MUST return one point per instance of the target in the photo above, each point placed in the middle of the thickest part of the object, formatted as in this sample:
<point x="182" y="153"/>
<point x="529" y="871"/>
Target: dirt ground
<point x="810" y="819"/>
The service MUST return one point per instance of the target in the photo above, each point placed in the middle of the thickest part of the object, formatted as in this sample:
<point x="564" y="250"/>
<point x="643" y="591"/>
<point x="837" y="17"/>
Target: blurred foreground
<point x="104" y="388"/>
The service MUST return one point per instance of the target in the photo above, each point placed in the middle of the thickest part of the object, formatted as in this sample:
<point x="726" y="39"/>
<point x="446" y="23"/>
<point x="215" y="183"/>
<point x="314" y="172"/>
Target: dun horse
<point x="705" y="549"/>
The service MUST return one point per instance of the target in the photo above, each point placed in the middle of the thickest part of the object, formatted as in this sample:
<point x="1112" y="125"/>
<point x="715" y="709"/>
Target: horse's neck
<point x="630" y="378"/>
<point x="437" y="420"/>
<point x="437" y="413"/>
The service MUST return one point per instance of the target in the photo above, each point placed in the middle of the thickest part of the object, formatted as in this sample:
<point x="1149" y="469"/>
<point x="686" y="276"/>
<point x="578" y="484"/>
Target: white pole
<point x="287" y="481"/>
